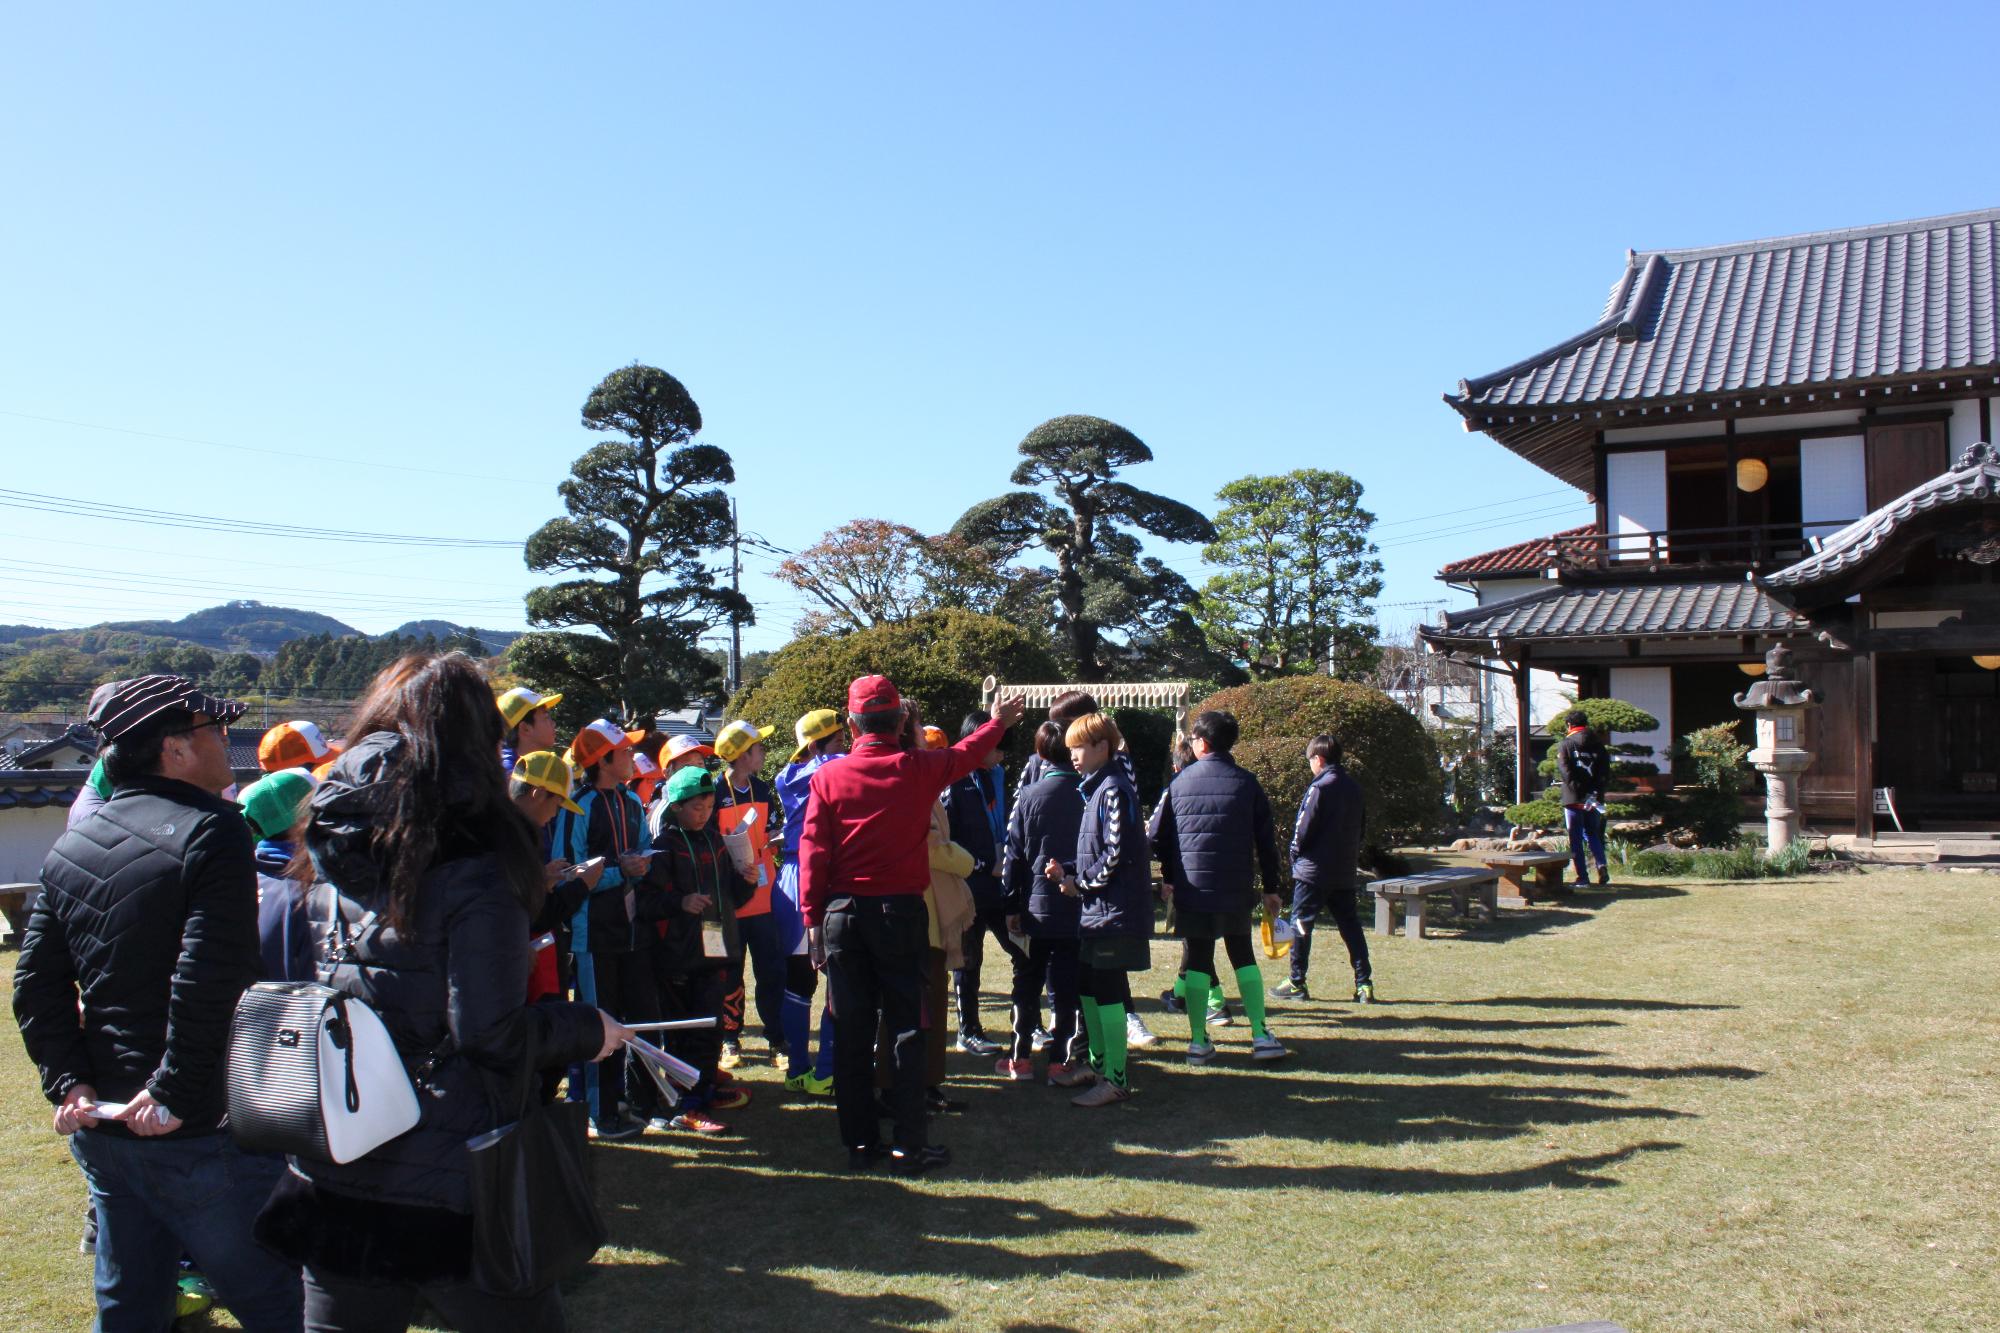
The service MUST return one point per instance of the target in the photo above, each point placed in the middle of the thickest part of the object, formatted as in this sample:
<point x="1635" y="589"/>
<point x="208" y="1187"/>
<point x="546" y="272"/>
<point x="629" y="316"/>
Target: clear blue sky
<point x="366" y="262"/>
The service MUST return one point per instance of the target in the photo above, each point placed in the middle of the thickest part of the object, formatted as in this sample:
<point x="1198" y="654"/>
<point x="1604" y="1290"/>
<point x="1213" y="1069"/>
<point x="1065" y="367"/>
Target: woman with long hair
<point x="435" y="875"/>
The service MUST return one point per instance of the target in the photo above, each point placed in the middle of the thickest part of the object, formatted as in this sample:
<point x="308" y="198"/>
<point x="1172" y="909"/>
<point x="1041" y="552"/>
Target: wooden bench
<point x="1516" y="890"/>
<point x="1462" y="883"/>
<point x="14" y="900"/>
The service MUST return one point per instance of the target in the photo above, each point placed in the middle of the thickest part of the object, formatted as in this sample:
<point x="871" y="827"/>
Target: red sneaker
<point x="696" y="1123"/>
<point x="730" y="1099"/>
<point x="1018" y="1071"/>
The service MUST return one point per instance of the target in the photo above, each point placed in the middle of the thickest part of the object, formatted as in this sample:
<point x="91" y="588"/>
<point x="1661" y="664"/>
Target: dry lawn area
<point x="1686" y="1106"/>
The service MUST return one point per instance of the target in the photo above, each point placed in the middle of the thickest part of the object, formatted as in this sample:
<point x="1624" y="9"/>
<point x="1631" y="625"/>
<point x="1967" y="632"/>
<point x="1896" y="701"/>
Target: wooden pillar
<point x="1524" y="755"/>
<point x="1862" y="719"/>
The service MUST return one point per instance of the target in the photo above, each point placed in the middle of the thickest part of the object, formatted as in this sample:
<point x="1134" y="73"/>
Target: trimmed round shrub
<point x="1387" y="750"/>
<point x="938" y="659"/>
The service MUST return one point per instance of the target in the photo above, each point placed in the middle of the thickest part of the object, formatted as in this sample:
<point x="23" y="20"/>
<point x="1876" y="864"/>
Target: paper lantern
<point x="1751" y="474"/>
<point x="1990" y="661"/>
<point x="1751" y="668"/>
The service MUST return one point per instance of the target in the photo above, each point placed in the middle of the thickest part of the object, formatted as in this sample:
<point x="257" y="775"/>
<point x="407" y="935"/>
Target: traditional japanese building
<point x="1784" y="440"/>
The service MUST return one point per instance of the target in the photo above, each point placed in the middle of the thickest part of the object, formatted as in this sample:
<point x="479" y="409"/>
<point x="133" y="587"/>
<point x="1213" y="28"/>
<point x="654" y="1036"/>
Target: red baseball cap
<point x="873" y="694"/>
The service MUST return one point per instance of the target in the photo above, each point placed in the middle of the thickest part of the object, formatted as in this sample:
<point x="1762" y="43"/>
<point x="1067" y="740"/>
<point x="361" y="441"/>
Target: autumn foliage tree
<point x="872" y="572"/>
<point x="1088" y="523"/>
<point x="643" y="511"/>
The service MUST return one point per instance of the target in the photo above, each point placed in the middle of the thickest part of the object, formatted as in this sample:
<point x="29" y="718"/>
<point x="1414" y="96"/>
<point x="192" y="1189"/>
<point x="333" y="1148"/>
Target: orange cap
<point x="294" y="745"/>
<point x="599" y="739"/>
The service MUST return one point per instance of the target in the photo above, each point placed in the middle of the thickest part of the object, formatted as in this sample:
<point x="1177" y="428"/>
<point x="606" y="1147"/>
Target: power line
<point x="58" y="504"/>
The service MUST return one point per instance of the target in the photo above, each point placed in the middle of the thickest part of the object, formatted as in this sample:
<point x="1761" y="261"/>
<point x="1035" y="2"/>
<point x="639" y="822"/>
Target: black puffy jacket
<point x="1114" y="868"/>
<point x="448" y="986"/>
<point x="148" y="911"/>
<point x="1326" y="840"/>
<point x="1215" y="834"/>
<point x="1047" y="817"/>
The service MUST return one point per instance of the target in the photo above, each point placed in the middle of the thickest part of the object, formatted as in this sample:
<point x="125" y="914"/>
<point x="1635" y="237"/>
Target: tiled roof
<point x="1530" y="557"/>
<point x="34" y="798"/>
<point x="77" y="737"/>
<point x="1975" y="479"/>
<point x="1892" y="300"/>
<point x="1628" y="611"/>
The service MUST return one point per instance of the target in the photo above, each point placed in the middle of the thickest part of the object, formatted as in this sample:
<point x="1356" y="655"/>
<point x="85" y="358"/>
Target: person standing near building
<point x="142" y="940"/>
<point x="1215" y="837"/>
<point x="1584" y="767"/>
<point x="530" y="719"/>
<point x="1326" y="843"/>
<point x="864" y="864"/>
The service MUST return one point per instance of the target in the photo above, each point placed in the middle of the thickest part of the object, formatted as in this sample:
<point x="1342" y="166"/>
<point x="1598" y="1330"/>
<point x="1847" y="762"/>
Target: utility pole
<point x="735" y="673"/>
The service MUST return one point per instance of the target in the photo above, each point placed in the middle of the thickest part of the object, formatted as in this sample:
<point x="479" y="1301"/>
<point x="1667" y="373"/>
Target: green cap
<point x="272" y="803"/>
<point x="688" y="783"/>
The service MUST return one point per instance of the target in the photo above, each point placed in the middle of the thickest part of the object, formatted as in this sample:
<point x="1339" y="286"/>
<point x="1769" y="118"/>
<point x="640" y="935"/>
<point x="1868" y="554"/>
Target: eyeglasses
<point x="216" y="722"/>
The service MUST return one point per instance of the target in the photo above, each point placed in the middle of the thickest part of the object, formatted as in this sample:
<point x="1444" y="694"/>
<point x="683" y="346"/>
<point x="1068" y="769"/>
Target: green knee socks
<point x="1111" y="1018"/>
<point x="1195" y="991"/>
<point x="1093" y="1028"/>
<point x="1251" y="980"/>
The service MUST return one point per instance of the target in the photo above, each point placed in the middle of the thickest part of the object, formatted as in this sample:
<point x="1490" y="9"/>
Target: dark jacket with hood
<point x="1046" y="819"/>
<point x="1114" y="866"/>
<point x="1584" y="766"/>
<point x="1215" y="834"/>
<point x="148" y="916"/>
<point x="1326" y="840"/>
<point x="976" y="805"/>
<point x="448" y="986"/>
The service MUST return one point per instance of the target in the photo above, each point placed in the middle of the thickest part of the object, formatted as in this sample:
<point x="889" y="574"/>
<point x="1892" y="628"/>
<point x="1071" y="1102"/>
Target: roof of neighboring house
<point x="1974" y="479"/>
<point x="698" y="722"/>
<point x="1529" y="557"/>
<point x="1860" y="306"/>
<point x="78" y="737"/>
<point x="1642" y="611"/>
<point x="44" y="787"/>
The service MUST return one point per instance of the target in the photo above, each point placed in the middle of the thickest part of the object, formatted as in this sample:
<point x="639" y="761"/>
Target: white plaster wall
<point x="1833" y="482"/>
<point x="1635" y="490"/>
<point x="1490" y="591"/>
<point x="25" y="839"/>
<point x="1650" y="688"/>
<point x="1963" y="428"/>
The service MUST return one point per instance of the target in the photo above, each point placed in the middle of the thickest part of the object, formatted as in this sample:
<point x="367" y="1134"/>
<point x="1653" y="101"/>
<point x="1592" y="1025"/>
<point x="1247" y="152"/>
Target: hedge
<point x="938" y="659"/>
<point x="1387" y="749"/>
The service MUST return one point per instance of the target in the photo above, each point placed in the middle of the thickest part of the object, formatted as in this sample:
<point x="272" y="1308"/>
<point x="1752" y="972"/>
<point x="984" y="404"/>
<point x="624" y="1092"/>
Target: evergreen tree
<point x="643" y="512"/>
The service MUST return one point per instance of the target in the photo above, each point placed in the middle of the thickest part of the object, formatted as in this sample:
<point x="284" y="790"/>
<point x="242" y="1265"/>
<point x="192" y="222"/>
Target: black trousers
<point x="1050" y="963"/>
<point x="986" y="921"/>
<point x="623" y="987"/>
<point x="1307" y="902"/>
<point x="875" y="958"/>
<point x="695" y="992"/>
<point x="344" y="1304"/>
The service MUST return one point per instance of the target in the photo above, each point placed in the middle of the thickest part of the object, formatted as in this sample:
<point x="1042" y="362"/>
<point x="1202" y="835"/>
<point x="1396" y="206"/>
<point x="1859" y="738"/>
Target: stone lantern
<point x="1779" y="703"/>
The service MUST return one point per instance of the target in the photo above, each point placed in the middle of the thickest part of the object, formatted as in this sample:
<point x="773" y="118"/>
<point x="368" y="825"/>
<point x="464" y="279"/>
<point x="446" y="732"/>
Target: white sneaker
<point x="1137" y="1034"/>
<point x="1200" y="1052"/>
<point x="1267" y="1048"/>
<point x="1218" y="1014"/>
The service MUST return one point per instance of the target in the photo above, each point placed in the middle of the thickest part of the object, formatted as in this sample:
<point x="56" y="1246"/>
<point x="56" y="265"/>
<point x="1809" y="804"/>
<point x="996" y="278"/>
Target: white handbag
<point x="313" y="1072"/>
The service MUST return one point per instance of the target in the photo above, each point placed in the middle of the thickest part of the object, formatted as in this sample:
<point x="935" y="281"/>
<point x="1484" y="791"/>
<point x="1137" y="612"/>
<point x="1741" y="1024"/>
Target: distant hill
<point x="496" y="640"/>
<point x="240" y="627"/>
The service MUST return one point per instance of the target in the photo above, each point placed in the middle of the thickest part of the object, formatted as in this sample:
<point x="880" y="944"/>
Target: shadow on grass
<point x="1577" y="1002"/>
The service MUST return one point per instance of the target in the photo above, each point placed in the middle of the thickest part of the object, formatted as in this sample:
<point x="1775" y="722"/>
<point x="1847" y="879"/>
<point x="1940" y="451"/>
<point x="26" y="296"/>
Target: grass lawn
<point x="1685" y="1106"/>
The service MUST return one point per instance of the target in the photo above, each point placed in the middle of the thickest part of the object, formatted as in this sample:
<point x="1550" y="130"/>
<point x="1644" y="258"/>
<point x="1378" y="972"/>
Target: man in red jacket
<point x="864" y="863"/>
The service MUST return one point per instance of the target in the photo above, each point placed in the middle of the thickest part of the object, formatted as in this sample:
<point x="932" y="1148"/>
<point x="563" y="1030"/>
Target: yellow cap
<point x="816" y="725"/>
<point x="552" y="773"/>
<point x="520" y="701"/>
<point x="737" y="737"/>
